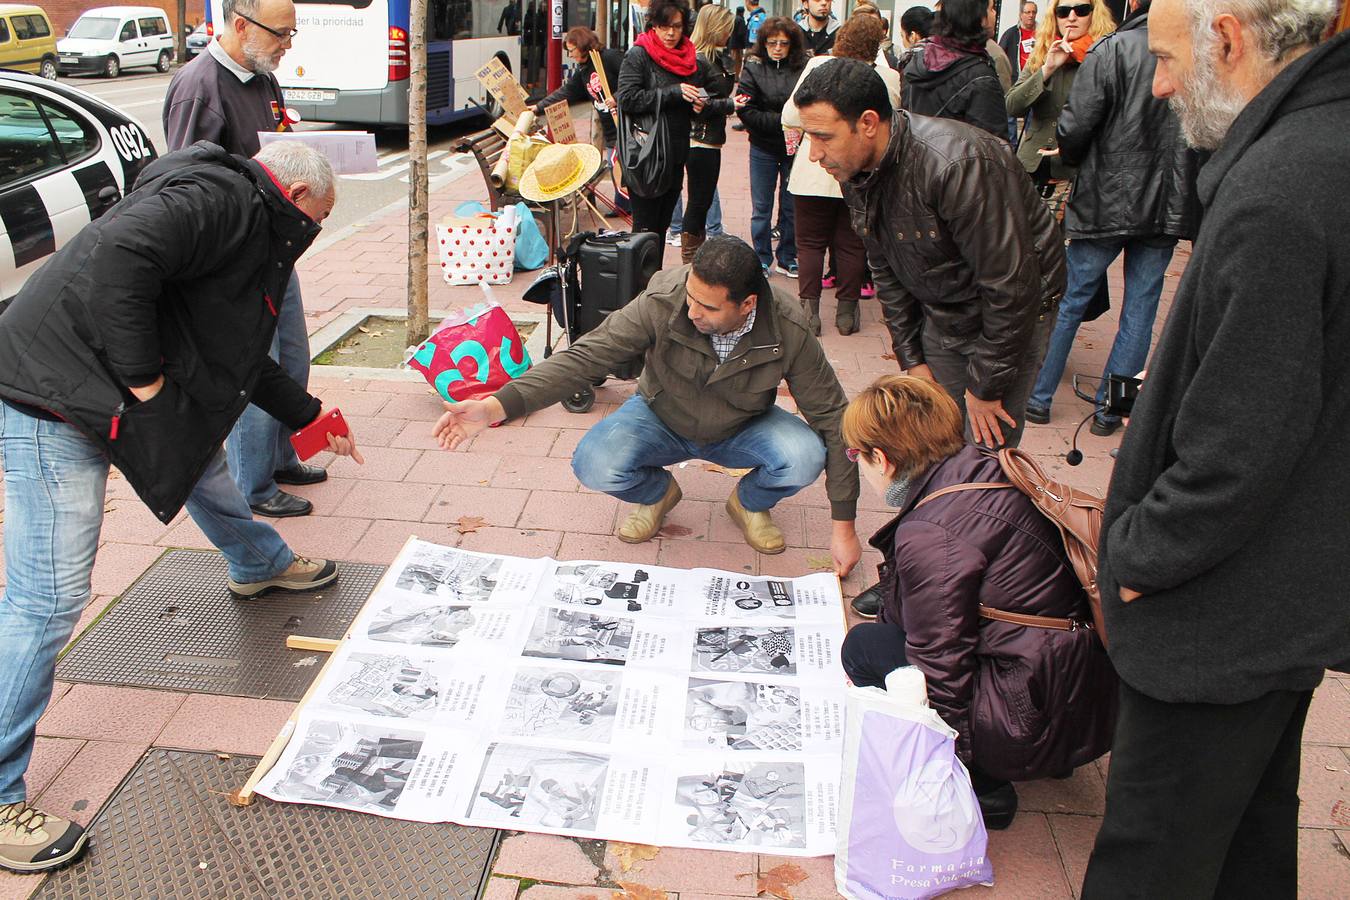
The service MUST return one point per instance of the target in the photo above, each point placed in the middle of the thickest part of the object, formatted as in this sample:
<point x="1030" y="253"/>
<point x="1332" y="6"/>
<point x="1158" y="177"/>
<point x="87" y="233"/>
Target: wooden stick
<point x="244" y="796"/>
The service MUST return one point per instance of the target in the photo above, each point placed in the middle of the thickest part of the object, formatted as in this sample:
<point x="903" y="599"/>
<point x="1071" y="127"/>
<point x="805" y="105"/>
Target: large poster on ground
<point x="693" y="708"/>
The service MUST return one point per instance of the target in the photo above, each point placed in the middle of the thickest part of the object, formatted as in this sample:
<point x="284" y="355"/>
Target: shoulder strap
<point x="969" y="486"/>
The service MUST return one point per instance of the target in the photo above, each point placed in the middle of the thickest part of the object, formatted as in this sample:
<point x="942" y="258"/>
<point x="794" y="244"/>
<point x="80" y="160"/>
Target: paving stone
<point x="130" y="521"/>
<point x="531" y="472"/>
<point x="555" y="892"/>
<point x="1026" y="865"/>
<point x="353" y="401"/>
<point x="608" y="548"/>
<point x="123" y="715"/>
<point x="566" y="443"/>
<point x="50" y="756"/>
<point x="89" y="779"/>
<point x="819" y="870"/>
<point x="1324" y="787"/>
<point x="515" y="542"/>
<point x="562" y="511"/>
<point x="415" y="436"/>
<point x="326" y="495"/>
<point x="787" y="518"/>
<point x="820" y="527"/>
<point x="557" y="417"/>
<point x="1329" y="716"/>
<point x="387" y="500"/>
<point x="1074" y="837"/>
<point x="707" y="554"/>
<point x="225" y="724"/>
<point x="322" y="537"/>
<point x="499" y="888"/>
<point x="1323" y="865"/>
<point x="117" y="566"/>
<point x="374" y="431"/>
<point x="545" y="857"/>
<point x="187" y="535"/>
<point x="1083" y="794"/>
<point x="416" y="407"/>
<point x="382" y="464"/>
<point x="689" y="521"/>
<point x="452" y="467"/>
<point x="497" y="506"/>
<point x="679" y="870"/>
<point x="18" y="887"/>
<point x="384" y="538"/>
<point x="517" y="441"/>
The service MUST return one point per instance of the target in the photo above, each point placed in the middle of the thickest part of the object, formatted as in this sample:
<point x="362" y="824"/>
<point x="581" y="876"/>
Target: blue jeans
<point x="259" y="445"/>
<point x="768" y="172"/>
<point x="625" y="455"/>
<point x="714" y="217"/>
<point x="54" y="486"/>
<point x="1146" y="260"/>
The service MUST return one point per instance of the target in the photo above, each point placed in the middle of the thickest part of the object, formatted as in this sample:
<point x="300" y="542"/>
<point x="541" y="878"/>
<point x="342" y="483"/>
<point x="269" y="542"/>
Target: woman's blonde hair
<point x="712" y="29"/>
<point x="912" y="421"/>
<point x="1103" y="23"/>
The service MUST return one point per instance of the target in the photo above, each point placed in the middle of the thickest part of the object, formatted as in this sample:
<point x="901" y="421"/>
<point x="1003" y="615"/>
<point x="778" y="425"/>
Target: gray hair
<point x="1278" y="25"/>
<point x="231" y="8"/>
<point x="292" y="161"/>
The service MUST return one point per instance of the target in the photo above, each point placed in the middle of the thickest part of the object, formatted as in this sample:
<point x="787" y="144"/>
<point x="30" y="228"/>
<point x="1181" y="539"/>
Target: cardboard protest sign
<point x="503" y="85"/>
<point x="560" y="123"/>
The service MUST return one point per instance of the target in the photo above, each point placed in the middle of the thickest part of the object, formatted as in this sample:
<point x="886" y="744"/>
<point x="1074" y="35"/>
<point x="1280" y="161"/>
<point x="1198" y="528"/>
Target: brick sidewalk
<point x="519" y="479"/>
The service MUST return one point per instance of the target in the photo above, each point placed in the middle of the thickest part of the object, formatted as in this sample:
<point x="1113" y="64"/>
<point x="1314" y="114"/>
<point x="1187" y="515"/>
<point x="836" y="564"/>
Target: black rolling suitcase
<point x="599" y="274"/>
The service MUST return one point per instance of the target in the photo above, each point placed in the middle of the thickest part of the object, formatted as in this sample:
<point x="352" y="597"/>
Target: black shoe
<point x="868" y="603"/>
<point x="282" y="505"/>
<point x="301" y="474"/>
<point x="737" y="126"/>
<point x="998" y="807"/>
<point x="1104" y="427"/>
<point x="1037" y="415"/>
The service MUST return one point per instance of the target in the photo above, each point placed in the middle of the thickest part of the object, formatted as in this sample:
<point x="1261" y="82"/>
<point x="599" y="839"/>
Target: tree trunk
<point x="417" y="173"/>
<point x="180" y="36"/>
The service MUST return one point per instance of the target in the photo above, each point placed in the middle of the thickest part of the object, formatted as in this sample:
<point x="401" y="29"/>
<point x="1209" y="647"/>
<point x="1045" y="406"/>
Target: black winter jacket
<point x="719" y="79"/>
<point x="1136" y="176"/>
<point x="959" y="245"/>
<point x="182" y="277"/>
<point x="641" y="83"/>
<point x="958" y="85"/>
<point x="583" y="86"/>
<point x="1227" y="507"/>
<point x="768" y="83"/>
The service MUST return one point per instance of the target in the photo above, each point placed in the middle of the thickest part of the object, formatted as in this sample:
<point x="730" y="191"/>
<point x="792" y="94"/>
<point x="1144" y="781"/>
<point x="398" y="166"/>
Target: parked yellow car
<point x="27" y="42"/>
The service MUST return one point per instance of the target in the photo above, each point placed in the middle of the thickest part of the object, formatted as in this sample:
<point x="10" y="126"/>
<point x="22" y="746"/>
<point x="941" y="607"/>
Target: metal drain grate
<point x="169" y="832"/>
<point x="178" y="629"/>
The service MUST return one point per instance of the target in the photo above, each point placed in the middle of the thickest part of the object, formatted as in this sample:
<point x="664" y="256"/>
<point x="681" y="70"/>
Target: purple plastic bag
<point x="909" y="823"/>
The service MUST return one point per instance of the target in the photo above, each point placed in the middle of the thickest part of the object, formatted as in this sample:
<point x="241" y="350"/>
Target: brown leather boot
<point x="644" y="522"/>
<point x="846" y="316"/>
<point x="812" y="308"/>
<point x="689" y="244"/>
<point x="758" y="528"/>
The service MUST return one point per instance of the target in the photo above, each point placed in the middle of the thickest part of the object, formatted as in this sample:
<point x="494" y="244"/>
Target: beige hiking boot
<point x="645" y="521"/>
<point x="32" y="841"/>
<point x="758" y="527"/>
<point x="302" y="574"/>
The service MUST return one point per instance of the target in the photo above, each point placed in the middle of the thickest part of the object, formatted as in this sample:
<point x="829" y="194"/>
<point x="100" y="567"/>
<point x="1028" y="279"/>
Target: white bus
<point x="349" y="59"/>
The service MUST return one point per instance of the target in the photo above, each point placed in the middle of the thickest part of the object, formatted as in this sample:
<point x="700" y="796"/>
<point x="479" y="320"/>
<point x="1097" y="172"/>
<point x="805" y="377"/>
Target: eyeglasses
<point x="286" y="35"/>
<point x="852" y="453"/>
<point x="778" y="43"/>
<point x="1082" y="11"/>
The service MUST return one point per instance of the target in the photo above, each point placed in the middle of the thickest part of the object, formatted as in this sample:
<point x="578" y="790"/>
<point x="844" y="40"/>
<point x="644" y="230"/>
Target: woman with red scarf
<point x="662" y="67"/>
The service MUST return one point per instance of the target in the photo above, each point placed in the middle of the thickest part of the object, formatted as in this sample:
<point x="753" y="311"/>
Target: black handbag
<point x="645" y="154"/>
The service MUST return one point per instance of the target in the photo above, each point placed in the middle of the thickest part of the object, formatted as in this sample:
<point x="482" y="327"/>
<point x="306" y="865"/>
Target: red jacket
<point x="1028" y="702"/>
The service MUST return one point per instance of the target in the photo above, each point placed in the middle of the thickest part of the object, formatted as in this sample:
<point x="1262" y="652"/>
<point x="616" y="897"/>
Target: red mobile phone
<point x="314" y="436"/>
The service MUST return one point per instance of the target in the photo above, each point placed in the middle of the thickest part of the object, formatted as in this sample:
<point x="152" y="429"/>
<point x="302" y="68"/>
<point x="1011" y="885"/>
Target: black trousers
<point x="1201" y="800"/>
<point x="873" y="650"/>
<point x="703" y="166"/>
<point x="654" y="213"/>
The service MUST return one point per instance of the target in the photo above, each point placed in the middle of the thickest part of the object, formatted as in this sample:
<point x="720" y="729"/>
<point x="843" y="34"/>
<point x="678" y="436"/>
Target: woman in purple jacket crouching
<point x="1028" y="701"/>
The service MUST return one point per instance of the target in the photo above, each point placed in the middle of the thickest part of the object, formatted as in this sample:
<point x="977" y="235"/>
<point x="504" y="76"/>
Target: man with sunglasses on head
<point x="226" y="96"/>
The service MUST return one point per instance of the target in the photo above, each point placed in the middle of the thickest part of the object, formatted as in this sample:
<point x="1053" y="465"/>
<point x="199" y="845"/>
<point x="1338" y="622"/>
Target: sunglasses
<point x="778" y="43"/>
<point x="286" y="35"/>
<point x="1082" y="11"/>
<point x="852" y="453"/>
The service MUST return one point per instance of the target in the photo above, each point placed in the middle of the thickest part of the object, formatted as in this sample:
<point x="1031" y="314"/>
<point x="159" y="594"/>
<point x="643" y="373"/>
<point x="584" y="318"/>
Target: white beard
<point x="260" y="62"/>
<point x="1206" y="107"/>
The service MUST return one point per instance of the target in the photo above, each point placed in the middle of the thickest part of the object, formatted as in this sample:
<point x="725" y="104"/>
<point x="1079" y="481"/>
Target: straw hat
<point x="558" y="170"/>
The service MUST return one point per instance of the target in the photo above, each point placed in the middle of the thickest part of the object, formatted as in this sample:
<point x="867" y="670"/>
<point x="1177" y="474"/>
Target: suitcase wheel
<point x="580" y="402"/>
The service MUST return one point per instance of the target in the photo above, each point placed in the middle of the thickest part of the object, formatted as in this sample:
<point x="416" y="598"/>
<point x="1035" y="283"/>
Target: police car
<point x="65" y="158"/>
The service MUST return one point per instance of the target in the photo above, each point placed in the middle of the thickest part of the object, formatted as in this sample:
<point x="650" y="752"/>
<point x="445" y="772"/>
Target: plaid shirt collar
<point x="723" y="344"/>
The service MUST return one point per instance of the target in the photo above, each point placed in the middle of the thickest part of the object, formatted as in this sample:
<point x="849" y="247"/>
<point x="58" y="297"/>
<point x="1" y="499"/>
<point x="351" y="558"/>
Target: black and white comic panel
<point x="352" y="766"/>
<point x="539" y="787"/>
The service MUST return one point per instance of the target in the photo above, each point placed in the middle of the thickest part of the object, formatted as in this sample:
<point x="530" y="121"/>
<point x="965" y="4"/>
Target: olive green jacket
<point x="1041" y="100"/>
<point x="700" y="399"/>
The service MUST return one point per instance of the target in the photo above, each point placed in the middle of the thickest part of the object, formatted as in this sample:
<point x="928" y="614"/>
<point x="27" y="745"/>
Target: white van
<point x="112" y="38"/>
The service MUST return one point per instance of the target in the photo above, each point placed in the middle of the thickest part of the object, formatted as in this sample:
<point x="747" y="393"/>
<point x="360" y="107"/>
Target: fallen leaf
<point x="628" y="854"/>
<point x="890" y="356"/>
<point x="723" y="470"/>
<point x="777" y="881"/>
<point x="224" y="756"/>
<point x="363" y="329"/>
<point x="345" y="351"/>
<point x="675" y="531"/>
<point x="468" y="524"/>
<point x="820" y="563"/>
<point x="638" y="892"/>
<point x="305" y="663"/>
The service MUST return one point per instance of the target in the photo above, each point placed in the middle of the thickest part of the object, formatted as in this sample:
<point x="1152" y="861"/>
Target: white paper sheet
<point x="349" y="152"/>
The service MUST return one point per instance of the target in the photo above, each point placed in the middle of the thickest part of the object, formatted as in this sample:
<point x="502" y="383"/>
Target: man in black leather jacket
<point x="1135" y="193"/>
<point x="967" y="260"/>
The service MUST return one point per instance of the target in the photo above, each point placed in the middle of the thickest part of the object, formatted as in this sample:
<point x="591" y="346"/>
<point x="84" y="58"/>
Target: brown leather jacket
<point x="959" y="244"/>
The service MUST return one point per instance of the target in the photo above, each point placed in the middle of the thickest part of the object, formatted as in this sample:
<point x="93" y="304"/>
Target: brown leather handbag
<point x="1076" y="514"/>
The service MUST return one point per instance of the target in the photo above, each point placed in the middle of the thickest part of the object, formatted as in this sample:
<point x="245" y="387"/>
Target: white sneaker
<point x="672" y="239"/>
